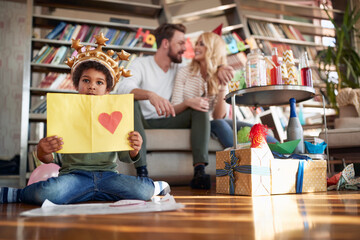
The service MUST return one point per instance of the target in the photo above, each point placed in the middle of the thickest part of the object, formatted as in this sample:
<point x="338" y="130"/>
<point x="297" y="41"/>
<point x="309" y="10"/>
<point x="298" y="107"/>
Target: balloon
<point x="43" y="172"/>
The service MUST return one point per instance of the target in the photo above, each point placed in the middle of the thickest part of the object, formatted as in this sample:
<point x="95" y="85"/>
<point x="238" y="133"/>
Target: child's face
<point x="92" y="82"/>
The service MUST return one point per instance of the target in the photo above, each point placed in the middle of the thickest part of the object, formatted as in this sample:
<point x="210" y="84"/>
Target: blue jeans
<point x="82" y="186"/>
<point x="222" y="129"/>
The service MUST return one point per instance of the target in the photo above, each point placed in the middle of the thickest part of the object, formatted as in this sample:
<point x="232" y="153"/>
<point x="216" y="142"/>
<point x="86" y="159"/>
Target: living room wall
<point x="12" y="38"/>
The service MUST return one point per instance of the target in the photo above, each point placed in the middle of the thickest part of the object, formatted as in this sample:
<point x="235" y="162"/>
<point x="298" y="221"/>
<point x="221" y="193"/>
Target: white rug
<point x="167" y="203"/>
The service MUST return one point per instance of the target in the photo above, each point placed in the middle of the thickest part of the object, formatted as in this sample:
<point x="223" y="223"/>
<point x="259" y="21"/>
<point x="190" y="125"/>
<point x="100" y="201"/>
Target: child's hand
<point x="47" y="146"/>
<point x="135" y="141"/>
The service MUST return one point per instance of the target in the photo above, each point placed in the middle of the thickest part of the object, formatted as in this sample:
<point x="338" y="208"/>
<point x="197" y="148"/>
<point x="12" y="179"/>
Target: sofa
<point x="169" y="156"/>
<point x="344" y="140"/>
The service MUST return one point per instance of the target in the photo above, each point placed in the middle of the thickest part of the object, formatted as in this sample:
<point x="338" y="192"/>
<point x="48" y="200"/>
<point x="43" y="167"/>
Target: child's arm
<point x="135" y="141"/>
<point x="47" y="146"/>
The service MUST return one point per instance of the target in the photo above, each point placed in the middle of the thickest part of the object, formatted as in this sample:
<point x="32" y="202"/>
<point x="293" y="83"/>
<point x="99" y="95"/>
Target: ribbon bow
<point x="233" y="166"/>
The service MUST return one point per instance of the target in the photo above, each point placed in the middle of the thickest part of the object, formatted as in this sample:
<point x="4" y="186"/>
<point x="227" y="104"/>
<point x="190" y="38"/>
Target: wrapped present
<point x="244" y="171"/>
<point x="298" y="176"/>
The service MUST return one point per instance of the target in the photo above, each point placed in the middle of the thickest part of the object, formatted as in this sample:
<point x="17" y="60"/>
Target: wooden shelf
<point x="46" y="21"/>
<point x="38" y="43"/>
<point x="43" y="91"/>
<point x="305" y="28"/>
<point x="106" y="6"/>
<point x="10" y="180"/>
<point x="232" y="28"/>
<point x="287" y="41"/>
<point x="287" y="8"/>
<point x="33" y="143"/>
<point x="210" y="12"/>
<point x="37" y="117"/>
<point x="40" y="67"/>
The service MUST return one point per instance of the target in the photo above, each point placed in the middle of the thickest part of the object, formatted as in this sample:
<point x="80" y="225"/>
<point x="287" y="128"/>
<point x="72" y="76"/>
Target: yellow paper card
<point x="90" y="123"/>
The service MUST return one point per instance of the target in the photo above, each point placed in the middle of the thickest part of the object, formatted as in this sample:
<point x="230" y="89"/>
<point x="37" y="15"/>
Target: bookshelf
<point x="206" y="15"/>
<point x="41" y="21"/>
<point x="288" y="25"/>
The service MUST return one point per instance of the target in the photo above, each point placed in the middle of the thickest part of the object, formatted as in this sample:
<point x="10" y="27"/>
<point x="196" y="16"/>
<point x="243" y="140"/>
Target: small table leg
<point x="234" y="120"/>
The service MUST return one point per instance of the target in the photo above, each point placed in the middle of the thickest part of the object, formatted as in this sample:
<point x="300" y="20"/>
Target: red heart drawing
<point x="110" y="122"/>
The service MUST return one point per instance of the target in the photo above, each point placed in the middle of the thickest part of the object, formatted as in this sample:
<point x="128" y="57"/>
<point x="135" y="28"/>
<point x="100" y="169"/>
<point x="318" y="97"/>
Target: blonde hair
<point x="214" y="57"/>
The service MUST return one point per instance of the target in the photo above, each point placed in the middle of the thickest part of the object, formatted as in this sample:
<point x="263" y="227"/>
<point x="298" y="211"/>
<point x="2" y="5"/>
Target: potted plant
<point x="343" y="56"/>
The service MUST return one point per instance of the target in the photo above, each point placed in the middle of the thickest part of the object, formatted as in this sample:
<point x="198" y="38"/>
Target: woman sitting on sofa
<point x="197" y="86"/>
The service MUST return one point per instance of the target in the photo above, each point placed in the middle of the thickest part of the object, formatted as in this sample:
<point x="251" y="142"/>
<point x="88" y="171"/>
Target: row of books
<point x="52" y="55"/>
<point x="266" y="47"/>
<point x="275" y="30"/>
<point x="55" y="80"/>
<point x="66" y="32"/>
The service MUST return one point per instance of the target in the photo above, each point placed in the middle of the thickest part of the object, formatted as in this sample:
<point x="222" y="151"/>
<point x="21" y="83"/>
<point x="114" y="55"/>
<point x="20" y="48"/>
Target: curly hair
<point x="166" y="31"/>
<point x="76" y="75"/>
<point x="215" y="56"/>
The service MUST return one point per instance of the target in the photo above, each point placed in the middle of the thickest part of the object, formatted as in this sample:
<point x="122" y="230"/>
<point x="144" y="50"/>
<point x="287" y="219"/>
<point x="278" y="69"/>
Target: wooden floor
<point x="207" y="215"/>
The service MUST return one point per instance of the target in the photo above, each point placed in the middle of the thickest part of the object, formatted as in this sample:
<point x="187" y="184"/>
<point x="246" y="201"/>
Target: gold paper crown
<point x="99" y="56"/>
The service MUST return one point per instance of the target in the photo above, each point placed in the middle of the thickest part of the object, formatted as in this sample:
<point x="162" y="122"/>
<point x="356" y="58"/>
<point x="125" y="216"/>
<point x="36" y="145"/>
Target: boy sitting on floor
<point x="89" y="176"/>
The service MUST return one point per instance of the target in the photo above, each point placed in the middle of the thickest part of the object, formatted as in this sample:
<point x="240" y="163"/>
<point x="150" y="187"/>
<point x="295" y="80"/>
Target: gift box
<point x="298" y="176"/>
<point x="244" y="171"/>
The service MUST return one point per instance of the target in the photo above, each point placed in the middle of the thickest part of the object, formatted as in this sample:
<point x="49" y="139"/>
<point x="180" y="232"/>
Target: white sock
<point x="161" y="188"/>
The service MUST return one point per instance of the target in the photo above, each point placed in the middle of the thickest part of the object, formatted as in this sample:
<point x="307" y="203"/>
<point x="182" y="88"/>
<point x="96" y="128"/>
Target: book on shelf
<point x="67" y="83"/>
<point x="88" y="35"/>
<point x="110" y="35"/>
<point x="287" y="32"/>
<point x="120" y="38"/>
<point x="48" y="80"/>
<point x="96" y="31"/>
<point x="39" y="106"/>
<point x="70" y="33"/>
<point x="116" y="35"/>
<point x="51" y="56"/>
<point x="296" y="33"/>
<point x="75" y="33"/>
<point x="279" y="31"/>
<point x="133" y="42"/>
<point x="31" y="164"/>
<point x="129" y="38"/>
<point x="60" y="55"/>
<point x="104" y="30"/>
<point x="264" y="30"/>
<point x="41" y="58"/>
<point x="273" y="30"/>
<point x="56" y="31"/>
<point x="58" y="81"/>
<point x="254" y="28"/>
<point x="54" y="80"/>
<point x="40" y="52"/>
<point x="64" y="32"/>
<point x="83" y="32"/>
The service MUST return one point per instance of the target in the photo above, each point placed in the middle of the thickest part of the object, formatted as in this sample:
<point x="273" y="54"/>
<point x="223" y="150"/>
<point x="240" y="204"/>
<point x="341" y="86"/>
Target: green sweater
<point x="104" y="161"/>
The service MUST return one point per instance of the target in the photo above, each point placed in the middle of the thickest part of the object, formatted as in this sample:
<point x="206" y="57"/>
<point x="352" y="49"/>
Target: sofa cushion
<point x="348" y="111"/>
<point x="342" y="137"/>
<point x="174" y="140"/>
<point x="347" y="122"/>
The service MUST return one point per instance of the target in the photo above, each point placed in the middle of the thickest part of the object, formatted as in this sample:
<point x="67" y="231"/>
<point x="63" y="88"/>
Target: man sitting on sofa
<point x="151" y="83"/>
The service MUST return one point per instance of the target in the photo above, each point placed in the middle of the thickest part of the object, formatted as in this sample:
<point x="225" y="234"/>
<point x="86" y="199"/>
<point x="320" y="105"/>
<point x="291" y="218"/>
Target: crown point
<point x="101" y="40"/>
<point x="126" y="73"/>
<point x="69" y="62"/>
<point x="123" y="55"/>
<point x="76" y="45"/>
